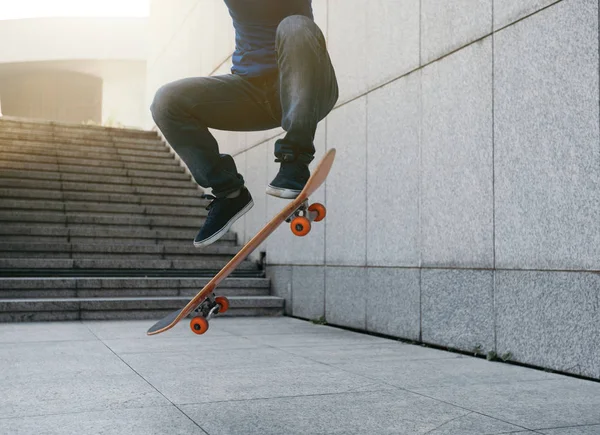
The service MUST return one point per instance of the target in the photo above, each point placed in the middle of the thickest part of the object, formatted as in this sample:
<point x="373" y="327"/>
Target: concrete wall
<point x="464" y="204"/>
<point x="56" y="95"/>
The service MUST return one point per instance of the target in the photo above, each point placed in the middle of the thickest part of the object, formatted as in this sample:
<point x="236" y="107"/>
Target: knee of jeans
<point x="297" y="26"/>
<point x="163" y="102"/>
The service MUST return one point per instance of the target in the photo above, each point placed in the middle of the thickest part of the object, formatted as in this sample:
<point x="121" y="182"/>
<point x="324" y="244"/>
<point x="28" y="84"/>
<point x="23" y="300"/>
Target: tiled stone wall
<point x="464" y="203"/>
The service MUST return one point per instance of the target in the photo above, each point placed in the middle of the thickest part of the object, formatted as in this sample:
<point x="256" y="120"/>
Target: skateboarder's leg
<point x="184" y="111"/>
<point x="308" y="91"/>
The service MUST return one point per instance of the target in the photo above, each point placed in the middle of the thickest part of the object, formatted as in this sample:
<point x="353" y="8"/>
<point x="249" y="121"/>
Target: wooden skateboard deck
<point x="297" y="212"/>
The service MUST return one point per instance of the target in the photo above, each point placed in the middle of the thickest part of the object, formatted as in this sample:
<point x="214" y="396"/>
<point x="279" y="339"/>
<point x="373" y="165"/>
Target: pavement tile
<point x="35" y="362"/>
<point x="580" y="430"/>
<point x="380" y="412"/>
<point x="178" y="344"/>
<point x="238" y="374"/>
<point x="76" y="393"/>
<point x="379" y="352"/>
<point x="44" y="331"/>
<point x="559" y="402"/>
<point x="137" y="329"/>
<point x="269" y="376"/>
<point x="460" y="371"/>
<point x="143" y="421"/>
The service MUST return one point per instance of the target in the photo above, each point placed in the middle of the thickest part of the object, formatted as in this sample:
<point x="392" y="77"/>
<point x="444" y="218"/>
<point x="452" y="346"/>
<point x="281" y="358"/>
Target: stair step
<point x="19" y="185"/>
<point x="126" y="273"/>
<point x="90" y="178"/>
<point x="19" y="310"/>
<point x="26" y="124"/>
<point x="98" y="223"/>
<point x="207" y="262"/>
<point x="41" y="233"/>
<point x="84" y="250"/>
<point x="14" y="288"/>
<point x="100" y="198"/>
<point x="176" y="172"/>
<point x="164" y="165"/>
<point x="72" y="220"/>
<point x="75" y="151"/>
<point x="81" y="140"/>
<point x="94" y="207"/>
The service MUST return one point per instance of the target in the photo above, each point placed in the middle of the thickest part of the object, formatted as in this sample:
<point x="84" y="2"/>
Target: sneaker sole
<point x="216" y="236"/>
<point x="282" y="193"/>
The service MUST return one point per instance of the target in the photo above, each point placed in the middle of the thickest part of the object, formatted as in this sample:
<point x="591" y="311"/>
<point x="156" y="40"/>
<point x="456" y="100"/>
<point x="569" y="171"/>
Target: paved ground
<point x="269" y="376"/>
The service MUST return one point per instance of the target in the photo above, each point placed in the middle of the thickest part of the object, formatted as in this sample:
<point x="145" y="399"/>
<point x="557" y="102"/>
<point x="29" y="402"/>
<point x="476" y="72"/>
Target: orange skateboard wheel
<point x="319" y="209"/>
<point x="300" y="226"/>
<point x="199" y="325"/>
<point x="223" y="302"/>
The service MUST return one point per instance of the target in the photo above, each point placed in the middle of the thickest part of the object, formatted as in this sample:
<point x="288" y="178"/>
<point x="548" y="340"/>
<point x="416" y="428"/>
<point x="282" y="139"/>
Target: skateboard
<point x="298" y="213"/>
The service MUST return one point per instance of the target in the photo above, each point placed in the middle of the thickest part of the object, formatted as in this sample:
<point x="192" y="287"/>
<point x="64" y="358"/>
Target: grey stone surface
<point x="270" y="375"/>
<point x="509" y="11"/>
<point x="476" y="424"/>
<point x="348" y="46"/>
<point x="35" y="332"/>
<point x="455" y="372"/>
<point x="230" y="142"/>
<point x="283" y="247"/>
<point x="144" y="421"/>
<point x="261" y="374"/>
<point x="345" y="242"/>
<point x="320" y="12"/>
<point x="254" y="138"/>
<point x="255" y="328"/>
<point x="553" y="403"/>
<point x="457" y="192"/>
<point x="393" y="298"/>
<point x="457" y="309"/>
<point x="256" y="181"/>
<point x="393" y="27"/>
<point x="450" y="25"/>
<point x="550" y="319"/>
<point x="74" y="376"/>
<point x="281" y="284"/>
<point x="346" y="296"/>
<point x="342" y="349"/>
<point x="308" y="286"/>
<point x="382" y="412"/>
<point x="239" y="227"/>
<point x="547" y="164"/>
<point x="178" y="342"/>
<point x="321" y="339"/>
<point x="578" y="430"/>
<point x="393" y="173"/>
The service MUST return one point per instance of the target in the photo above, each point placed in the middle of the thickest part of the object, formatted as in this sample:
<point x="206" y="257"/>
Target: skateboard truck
<point x="300" y="220"/>
<point x="210" y="307"/>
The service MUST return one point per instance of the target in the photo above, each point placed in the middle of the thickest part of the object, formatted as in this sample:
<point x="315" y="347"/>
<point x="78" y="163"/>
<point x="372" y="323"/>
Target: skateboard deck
<point x="297" y="212"/>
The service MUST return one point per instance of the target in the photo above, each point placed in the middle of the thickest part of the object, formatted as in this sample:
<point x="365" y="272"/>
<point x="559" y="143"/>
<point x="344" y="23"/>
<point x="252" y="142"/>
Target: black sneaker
<point x="223" y="212"/>
<point x="291" y="178"/>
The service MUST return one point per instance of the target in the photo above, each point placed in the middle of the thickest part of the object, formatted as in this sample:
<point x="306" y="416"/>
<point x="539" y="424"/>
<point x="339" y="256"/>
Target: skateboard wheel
<point x="199" y="325"/>
<point x="300" y="226"/>
<point x="319" y="209"/>
<point x="223" y="302"/>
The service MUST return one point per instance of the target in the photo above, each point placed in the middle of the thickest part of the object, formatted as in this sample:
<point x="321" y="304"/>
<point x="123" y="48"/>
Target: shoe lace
<point x="213" y="200"/>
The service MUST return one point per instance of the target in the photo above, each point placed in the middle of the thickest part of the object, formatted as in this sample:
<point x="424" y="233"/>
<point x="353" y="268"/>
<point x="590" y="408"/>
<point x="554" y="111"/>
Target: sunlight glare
<point x="17" y="9"/>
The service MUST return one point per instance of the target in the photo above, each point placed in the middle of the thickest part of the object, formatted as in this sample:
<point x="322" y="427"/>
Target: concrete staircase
<point x="98" y="223"/>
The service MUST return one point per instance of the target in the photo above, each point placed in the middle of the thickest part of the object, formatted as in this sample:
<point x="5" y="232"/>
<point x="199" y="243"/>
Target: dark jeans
<point x="296" y="97"/>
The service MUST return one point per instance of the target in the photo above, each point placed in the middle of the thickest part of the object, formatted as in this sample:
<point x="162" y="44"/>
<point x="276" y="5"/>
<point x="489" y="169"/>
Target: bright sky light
<point x="15" y="9"/>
